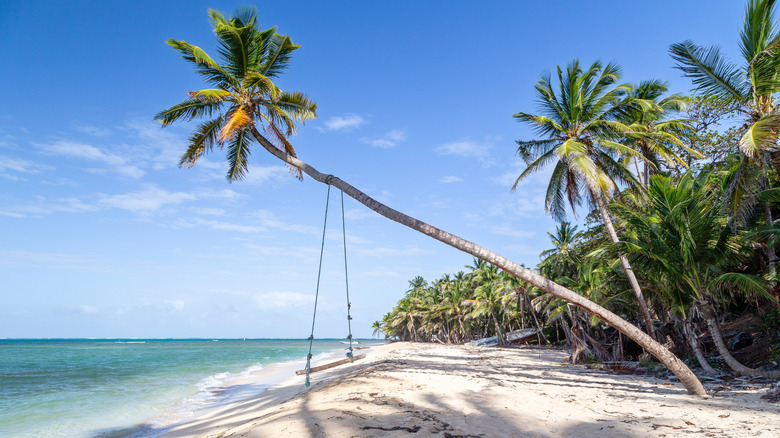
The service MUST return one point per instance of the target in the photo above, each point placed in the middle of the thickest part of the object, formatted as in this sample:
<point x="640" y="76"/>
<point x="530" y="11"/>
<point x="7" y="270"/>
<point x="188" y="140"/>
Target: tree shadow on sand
<point x="343" y="402"/>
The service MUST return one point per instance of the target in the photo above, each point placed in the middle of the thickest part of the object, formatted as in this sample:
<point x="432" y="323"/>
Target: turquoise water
<point x="131" y="388"/>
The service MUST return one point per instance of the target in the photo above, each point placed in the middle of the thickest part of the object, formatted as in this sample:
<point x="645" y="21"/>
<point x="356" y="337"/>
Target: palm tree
<point x="232" y="56"/>
<point x="682" y="239"/>
<point x="754" y="85"/>
<point x="378" y="327"/>
<point x="579" y="128"/>
<point x="561" y="260"/>
<point x="651" y="133"/>
<point x="487" y="297"/>
<point x="244" y="96"/>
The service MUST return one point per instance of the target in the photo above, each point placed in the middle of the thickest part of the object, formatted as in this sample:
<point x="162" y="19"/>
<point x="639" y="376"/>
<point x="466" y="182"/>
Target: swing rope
<point x="317" y="291"/>
<point x="319" y="275"/>
<point x="346" y="278"/>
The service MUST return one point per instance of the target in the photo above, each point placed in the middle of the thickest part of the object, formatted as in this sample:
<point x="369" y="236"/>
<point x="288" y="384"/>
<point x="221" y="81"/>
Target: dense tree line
<point x="680" y="195"/>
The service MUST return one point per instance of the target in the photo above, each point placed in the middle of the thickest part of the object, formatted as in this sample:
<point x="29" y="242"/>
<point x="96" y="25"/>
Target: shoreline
<point x="448" y="390"/>
<point x="230" y="391"/>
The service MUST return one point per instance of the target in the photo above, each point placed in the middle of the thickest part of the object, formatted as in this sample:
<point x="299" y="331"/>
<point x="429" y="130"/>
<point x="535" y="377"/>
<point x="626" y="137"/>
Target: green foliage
<point x="243" y="97"/>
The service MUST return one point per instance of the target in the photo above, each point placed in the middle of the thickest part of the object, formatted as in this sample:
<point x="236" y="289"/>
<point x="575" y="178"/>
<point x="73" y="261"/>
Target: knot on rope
<point x="308" y="357"/>
<point x="328" y="179"/>
<point x="349" y="355"/>
<point x="310" y="338"/>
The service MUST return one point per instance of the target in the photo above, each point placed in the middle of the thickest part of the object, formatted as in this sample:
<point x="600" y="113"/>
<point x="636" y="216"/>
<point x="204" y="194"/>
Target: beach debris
<point x="413" y="429"/>
<point x="773" y="393"/>
<point x="511" y="337"/>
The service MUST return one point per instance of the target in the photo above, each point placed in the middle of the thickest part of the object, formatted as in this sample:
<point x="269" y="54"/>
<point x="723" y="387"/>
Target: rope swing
<point x="319" y="275"/>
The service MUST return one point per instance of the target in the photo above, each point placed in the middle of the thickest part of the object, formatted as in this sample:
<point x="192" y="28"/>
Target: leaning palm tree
<point x="240" y="39"/>
<point x="579" y="128"/>
<point x="755" y="85"/>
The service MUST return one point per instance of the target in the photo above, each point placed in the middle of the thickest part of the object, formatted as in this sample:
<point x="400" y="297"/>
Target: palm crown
<point x="579" y="128"/>
<point x="243" y="96"/>
<point x="753" y="84"/>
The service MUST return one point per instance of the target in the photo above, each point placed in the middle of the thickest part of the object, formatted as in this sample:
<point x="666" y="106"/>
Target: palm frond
<point x="279" y="49"/>
<point x="709" y="70"/>
<point x="238" y="155"/>
<point x="760" y="135"/>
<point x="204" y="65"/>
<point x="201" y="141"/>
<point x="235" y="121"/>
<point x="537" y="165"/>
<point x="749" y="285"/>
<point x="189" y="109"/>
<point x="297" y="105"/>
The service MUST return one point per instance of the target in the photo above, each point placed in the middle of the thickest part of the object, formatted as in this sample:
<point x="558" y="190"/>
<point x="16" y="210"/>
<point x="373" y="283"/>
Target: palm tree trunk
<point x="712" y="324"/>
<point x="640" y="298"/>
<point x="536" y="322"/>
<point x="772" y="256"/>
<point x="690" y="335"/>
<point x="672" y="362"/>
<point x="499" y="331"/>
<point x="639" y="173"/>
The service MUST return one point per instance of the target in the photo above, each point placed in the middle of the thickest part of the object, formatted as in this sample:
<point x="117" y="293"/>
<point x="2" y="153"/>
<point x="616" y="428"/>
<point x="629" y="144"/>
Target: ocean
<point x="135" y="387"/>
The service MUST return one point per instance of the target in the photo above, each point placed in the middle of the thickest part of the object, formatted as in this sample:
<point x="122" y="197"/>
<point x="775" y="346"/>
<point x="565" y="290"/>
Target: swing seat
<point x="331" y="365"/>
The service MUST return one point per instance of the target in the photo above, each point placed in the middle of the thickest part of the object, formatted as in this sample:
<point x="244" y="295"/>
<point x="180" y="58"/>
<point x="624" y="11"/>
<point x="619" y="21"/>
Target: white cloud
<point x="361" y="213"/>
<point x="163" y="147"/>
<point x="521" y="203"/>
<point x="50" y="260"/>
<point x="468" y="149"/>
<point x="450" y="179"/>
<point x="96" y="131"/>
<point x="343" y="123"/>
<point x="260" y="174"/>
<point x="91" y="153"/>
<point x="146" y="201"/>
<point x="22" y="166"/>
<point x="380" y="252"/>
<point x="523" y="250"/>
<point x="279" y="301"/>
<point x="176" y="305"/>
<point x="506" y="230"/>
<point x="8" y="165"/>
<point x="269" y="220"/>
<point x="216" y="194"/>
<point x="387" y="141"/>
<point x="40" y="206"/>
<point x="209" y="211"/>
<point x="87" y="309"/>
<point x="379" y="272"/>
<point x="227" y="226"/>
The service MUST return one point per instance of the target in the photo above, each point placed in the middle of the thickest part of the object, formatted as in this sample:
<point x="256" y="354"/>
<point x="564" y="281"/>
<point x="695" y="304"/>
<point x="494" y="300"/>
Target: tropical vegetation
<point x="681" y="195"/>
<point x="679" y="230"/>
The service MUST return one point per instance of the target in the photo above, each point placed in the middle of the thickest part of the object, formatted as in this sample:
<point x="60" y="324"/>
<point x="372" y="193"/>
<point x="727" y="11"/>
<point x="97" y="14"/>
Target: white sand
<point x="408" y="389"/>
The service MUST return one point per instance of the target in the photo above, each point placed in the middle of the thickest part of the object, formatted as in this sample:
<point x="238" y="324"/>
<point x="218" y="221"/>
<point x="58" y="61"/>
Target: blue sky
<point x="102" y="235"/>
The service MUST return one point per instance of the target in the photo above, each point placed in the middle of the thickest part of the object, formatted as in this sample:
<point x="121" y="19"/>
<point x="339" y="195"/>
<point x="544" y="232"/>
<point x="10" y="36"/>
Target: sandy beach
<point x="406" y="389"/>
